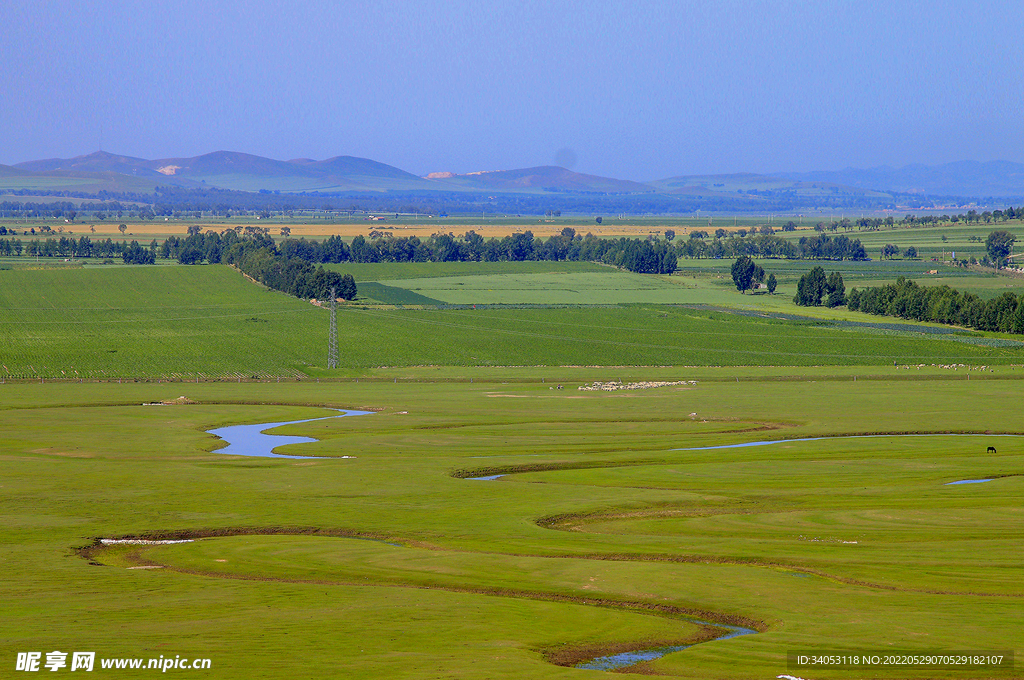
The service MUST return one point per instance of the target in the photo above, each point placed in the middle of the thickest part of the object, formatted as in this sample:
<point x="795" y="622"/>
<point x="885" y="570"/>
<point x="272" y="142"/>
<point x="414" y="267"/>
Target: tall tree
<point x="999" y="244"/>
<point x="811" y="288"/>
<point x="743" y="273"/>
<point x="746" y="273"/>
<point x="836" y="290"/>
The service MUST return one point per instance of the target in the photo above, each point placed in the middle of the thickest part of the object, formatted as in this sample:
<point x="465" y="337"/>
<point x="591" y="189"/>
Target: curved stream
<point x="627" y="659"/>
<point x="251" y="440"/>
<point x="841" y="436"/>
<point x="769" y="442"/>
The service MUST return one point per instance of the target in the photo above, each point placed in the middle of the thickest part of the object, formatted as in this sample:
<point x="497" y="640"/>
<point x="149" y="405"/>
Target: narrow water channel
<point x="627" y="659"/>
<point x="252" y="440"/>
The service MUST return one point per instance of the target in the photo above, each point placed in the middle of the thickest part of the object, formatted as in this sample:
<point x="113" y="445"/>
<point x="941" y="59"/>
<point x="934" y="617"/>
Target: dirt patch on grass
<point x="462" y="473"/>
<point x="576" y="521"/>
<point x="62" y="454"/>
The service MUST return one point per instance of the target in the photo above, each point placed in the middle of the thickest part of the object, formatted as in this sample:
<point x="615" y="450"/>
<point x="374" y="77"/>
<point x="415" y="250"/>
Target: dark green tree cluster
<point x="642" y="256"/>
<point x="70" y="247"/>
<point x="941" y="304"/>
<point x="999" y="244"/>
<point x="731" y="244"/>
<point x="11" y="246"/>
<point x="746" y="273"/>
<point x="136" y="254"/>
<point x="814" y="288"/>
<point x="294" y="276"/>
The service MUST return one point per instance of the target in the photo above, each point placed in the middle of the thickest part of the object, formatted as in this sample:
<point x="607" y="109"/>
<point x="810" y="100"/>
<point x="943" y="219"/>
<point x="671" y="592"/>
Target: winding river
<point x="626" y="659"/>
<point x="252" y="440"/>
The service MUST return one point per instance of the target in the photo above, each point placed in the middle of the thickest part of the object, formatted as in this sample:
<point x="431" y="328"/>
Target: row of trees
<point x="817" y="247"/>
<point x="131" y="253"/>
<point x="10" y="246"/>
<point x="258" y="259"/>
<point x="643" y="256"/>
<point x="78" y="248"/>
<point x="941" y="304"/>
<point x="64" y="209"/>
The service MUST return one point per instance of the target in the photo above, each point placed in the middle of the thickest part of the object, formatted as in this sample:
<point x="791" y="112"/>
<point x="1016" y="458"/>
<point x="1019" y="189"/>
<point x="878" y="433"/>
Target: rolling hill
<point x="240" y="171"/>
<point x="752" y="185"/>
<point x="962" y="178"/>
<point x="542" y="178"/>
<point x="877" y="188"/>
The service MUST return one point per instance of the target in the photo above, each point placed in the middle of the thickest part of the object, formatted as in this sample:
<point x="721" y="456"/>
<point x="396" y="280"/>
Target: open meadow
<point x="667" y="463"/>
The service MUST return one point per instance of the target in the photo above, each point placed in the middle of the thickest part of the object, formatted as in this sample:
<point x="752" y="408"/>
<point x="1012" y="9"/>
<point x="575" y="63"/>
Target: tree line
<point x="907" y="299"/>
<point x="258" y="258"/>
<point x="646" y="256"/>
<point x="293" y="270"/>
<point x="84" y="247"/>
<point x="642" y="256"/>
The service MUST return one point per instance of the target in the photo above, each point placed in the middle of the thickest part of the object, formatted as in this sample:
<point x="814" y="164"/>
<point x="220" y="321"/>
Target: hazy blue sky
<point x="637" y="90"/>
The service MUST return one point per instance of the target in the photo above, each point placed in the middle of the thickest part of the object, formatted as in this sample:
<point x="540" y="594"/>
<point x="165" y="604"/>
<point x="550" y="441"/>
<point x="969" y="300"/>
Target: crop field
<point x="557" y="288"/>
<point x="660" y="476"/>
<point x="110" y="322"/>
<point x="929" y="241"/>
<point x="210" y="323"/>
<point x="388" y="271"/>
<point x="983" y="283"/>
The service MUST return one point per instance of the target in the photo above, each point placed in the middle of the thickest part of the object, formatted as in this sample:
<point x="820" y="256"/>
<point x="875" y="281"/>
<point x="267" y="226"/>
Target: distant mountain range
<point x="242" y="172"/>
<point x="102" y="171"/>
<point x="963" y="178"/>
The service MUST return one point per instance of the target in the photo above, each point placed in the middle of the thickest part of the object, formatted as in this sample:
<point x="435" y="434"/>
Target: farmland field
<point x="613" y="527"/>
<point x="557" y="288"/>
<point x="210" y="322"/>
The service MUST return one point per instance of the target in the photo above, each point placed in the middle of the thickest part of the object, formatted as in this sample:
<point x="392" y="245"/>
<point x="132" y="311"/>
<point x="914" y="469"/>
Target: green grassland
<point x="614" y="527"/>
<point x="983" y="282"/>
<point x="387" y="271"/>
<point x="603" y="535"/>
<point x="557" y="288"/>
<point x="110" y="322"/>
<point x="210" y="322"/>
<point x="929" y="243"/>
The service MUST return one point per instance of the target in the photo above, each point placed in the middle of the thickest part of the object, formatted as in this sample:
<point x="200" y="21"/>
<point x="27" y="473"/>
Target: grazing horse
<point x="991" y="449"/>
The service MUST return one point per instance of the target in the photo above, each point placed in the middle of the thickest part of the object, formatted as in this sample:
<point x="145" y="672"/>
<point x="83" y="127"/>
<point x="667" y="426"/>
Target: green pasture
<point x="614" y="526"/>
<point x="696" y="282"/>
<point x="929" y="243"/>
<point x="129" y="322"/>
<point x="983" y="282"/>
<point x="612" y="529"/>
<point x="387" y="271"/>
<point x="559" y="289"/>
<point x="209" y="322"/>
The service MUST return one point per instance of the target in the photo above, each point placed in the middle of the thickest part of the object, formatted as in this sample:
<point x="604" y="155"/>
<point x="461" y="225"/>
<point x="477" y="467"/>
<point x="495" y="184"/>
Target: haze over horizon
<point x="636" y="91"/>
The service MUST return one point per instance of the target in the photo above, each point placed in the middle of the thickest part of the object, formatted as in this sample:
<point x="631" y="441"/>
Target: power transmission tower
<point x="332" y="339"/>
